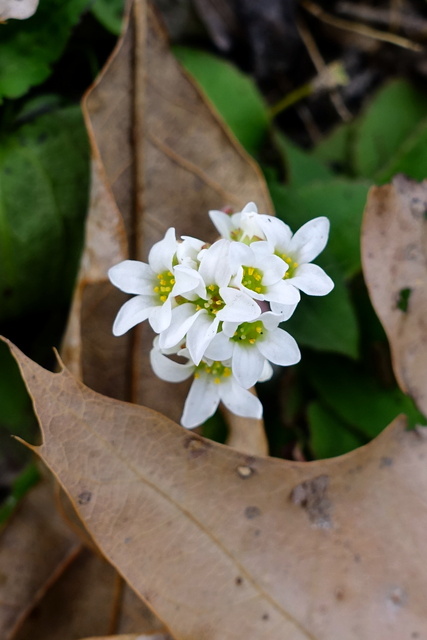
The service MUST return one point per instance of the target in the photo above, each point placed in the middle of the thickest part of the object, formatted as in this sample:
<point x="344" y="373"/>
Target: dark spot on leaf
<point x="398" y="596"/>
<point x="339" y="594"/>
<point x="403" y="301"/>
<point x="312" y="496"/>
<point x="239" y="581"/>
<point x="252" y="512"/>
<point x="84" y="497"/>
<point x="265" y="616"/>
<point x="196" y="446"/>
<point x="244" y="472"/>
<point x="386" y="461"/>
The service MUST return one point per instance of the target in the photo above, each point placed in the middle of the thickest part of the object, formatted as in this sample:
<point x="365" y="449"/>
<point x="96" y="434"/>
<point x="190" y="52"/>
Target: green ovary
<point x="217" y="370"/>
<point x="164" y="287"/>
<point x="214" y="302"/>
<point x="248" y="332"/>
<point x="292" y="265"/>
<point x="252" y="279"/>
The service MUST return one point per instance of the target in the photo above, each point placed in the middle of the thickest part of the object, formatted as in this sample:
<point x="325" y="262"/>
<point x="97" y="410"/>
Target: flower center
<point x="214" y="302"/>
<point x="252" y="279"/>
<point x="217" y="370"/>
<point x="292" y="265"/>
<point x="166" y="282"/>
<point x="240" y="236"/>
<point x="248" y="332"/>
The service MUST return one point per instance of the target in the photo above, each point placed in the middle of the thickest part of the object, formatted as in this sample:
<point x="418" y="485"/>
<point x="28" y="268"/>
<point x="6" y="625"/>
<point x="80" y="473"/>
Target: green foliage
<point x="357" y="397"/>
<point x="27" y="479"/>
<point x="389" y="137"/>
<point x="44" y="172"/>
<point x="301" y="167"/>
<point x="329" y="435"/>
<point x="110" y="14"/>
<point x="28" y="48"/>
<point x="233" y="94"/>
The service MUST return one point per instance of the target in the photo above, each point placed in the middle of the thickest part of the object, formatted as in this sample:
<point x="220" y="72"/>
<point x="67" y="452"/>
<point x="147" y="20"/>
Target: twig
<point x="361" y="29"/>
<point x="366" y="13"/>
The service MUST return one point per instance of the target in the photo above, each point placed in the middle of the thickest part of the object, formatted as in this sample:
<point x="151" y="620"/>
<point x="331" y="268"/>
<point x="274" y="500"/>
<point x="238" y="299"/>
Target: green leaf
<point x="356" y="397"/>
<point x="390" y="119"/>
<point x="233" y="94"/>
<point x="44" y="170"/>
<point x="16" y="409"/>
<point x="326" y="323"/>
<point x="330" y="437"/>
<point x="334" y="151"/>
<point x="340" y="200"/>
<point x="29" y="47"/>
<point x="411" y="159"/>
<point x="301" y="167"/>
<point x="110" y="14"/>
<point x="27" y="479"/>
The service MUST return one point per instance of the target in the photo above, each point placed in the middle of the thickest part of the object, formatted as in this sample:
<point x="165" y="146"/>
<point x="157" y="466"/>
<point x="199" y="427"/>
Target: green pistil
<point x="217" y="370"/>
<point x="292" y="265"/>
<point x="252" y="279"/>
<point x="248" y="332"/>
<point x="213" y="304"/>
<point x="166" y="282"/>
<point x="239" y="236"/>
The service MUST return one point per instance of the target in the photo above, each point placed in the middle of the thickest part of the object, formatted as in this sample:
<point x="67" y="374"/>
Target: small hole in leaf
<point x="403" y="301"/>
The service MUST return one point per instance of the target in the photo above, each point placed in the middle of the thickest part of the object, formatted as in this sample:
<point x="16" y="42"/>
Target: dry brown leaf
<point x="35" y="548"/>
<point x="223" y="545"/>
<point x="164" y="159"/>
<point x="394" y="253"/>
<point x="85" y="600"/>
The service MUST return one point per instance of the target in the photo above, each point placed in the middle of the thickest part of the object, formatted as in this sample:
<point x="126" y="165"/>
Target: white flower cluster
<point x="219" y="306"/>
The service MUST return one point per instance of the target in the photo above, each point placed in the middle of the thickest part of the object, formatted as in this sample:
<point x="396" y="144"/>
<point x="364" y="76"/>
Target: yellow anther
<point x="257" y="277"/>
<point x="218" y="302"/>
<point x="226" y="372"/>
<point x="208" y="369"/>
<point x="258" y="289"/>
<point x="295" y="265"/>
<point x="288" y="260"/>
<point x="156" y="289"/>
<point x="217" y="380"/>
<point x="252" y="340"/>
<point x="211" y="287"/>
<point x="172" y="280"/>
<point x="163" y="282"/>
<point x="163" y="298"/>
<point x="197" y="374"/>
<point x="198" y="307"/>
<point x="169" y="274"/>
<point x="159" y="276"/>
<point x="258" y="329"/>
<point x="250" y="271"/>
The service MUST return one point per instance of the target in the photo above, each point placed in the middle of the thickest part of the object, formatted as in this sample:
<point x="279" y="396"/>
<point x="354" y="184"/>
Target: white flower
<point x="243" y="226"/>
<point x="213" y="383"/>
<point x="155" y="285"/>
<point x="213" y="302"/>
<point x="250" y="344"/>
<point x="298" y="250"/>
<point x="261" y="274"/>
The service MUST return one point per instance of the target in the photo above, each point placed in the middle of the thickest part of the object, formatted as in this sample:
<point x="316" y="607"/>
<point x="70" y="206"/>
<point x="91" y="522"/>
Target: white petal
<point x="183" y="317"/>
<point x="201" y="403"/>
<point x="238" y="400"/>
<point x="221" y="347"/>
<point x="168" y="369"/>
<point x="188" y="281"/>
<point x="283" y="292"/>
<point x="267" y="372"/>
<point x="200" y="335"/>
<point x="247" y="364"/>
<point x="311" y="279"/>
<point x="239" y="306"/>
<point x="215" y="265"/>
<point x="270" y="320"/>
<point x="310" y="240"/>
<point x="276" y="231"/>
<point x="132" y="276"/>
<point x="273" y="267"/>
<point x="250" y="207"/>
<point x="284" y="310"/>
<point x="280" y="348"/>
<point x="133" y="311"/>
<point x="222" y="222"/>
<point x="160" y="317"/>
<point x="162" y="253"/>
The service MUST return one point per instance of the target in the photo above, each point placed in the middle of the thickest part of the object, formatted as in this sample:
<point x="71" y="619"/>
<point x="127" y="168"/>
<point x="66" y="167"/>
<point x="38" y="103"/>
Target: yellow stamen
<point x="217" y="380"/>
<point x="250" y="271"/>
